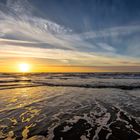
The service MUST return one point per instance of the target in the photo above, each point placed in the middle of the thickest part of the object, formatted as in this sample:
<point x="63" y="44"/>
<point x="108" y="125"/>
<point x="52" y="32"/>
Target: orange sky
<point x="36" y="68"/>
<point x="43" y="65"/>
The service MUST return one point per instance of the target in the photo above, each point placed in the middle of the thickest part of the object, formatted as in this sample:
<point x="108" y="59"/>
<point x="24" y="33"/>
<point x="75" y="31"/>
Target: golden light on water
<point x="24" y="67"/>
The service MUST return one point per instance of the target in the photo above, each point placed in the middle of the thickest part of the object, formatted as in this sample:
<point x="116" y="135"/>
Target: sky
<point x="70" y="35"/>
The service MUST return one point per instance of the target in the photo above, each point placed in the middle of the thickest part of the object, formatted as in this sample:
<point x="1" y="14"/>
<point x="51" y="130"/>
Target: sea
<point x="69" y="106"/>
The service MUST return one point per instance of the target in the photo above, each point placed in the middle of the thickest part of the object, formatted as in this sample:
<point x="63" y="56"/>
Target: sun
<point x="24" y="67"/>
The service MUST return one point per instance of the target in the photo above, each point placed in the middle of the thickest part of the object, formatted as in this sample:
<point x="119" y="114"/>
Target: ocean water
<point x="70" y="106"/>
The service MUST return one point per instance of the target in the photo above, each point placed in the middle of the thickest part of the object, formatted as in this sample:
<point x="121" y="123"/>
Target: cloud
<point x="68" y="57"/>
<point x="106" y="47"/>
<point x="113" y="31"/>
<point x="21" y="24"/>
<point x="24" y="32"/>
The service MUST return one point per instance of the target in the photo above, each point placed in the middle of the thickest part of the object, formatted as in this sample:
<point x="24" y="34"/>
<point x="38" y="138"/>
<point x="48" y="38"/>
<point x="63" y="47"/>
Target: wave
<point x="124" y="81"/>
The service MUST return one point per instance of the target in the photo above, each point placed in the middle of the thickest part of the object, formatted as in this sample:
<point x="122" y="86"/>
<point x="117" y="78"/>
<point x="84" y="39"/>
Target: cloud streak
<point x="26" y="34"/>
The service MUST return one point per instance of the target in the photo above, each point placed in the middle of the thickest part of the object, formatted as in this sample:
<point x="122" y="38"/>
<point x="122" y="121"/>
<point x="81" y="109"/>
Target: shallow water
<point x="102" y="106"/>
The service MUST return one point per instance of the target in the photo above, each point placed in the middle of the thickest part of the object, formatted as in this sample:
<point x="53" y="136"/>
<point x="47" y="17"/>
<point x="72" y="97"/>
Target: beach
<point x="70" y="106"/>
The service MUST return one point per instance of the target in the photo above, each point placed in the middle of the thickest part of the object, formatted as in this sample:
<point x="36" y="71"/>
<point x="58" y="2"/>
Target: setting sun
<point x="24" y="67"/>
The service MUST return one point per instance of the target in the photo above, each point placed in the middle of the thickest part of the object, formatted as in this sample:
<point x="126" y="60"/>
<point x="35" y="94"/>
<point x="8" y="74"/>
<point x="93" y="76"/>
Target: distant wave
<point x="114" y="75"/>
<point x="124" y="81"/>
<point x="11" y="81"/>
<point x="124" y="87"/>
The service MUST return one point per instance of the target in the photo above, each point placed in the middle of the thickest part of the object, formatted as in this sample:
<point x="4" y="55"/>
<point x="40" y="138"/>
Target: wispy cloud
<point x="26" y="34"/>
<point x="113" y="31"/>
<point x="67" y="57"/>
<point x="106" y="47"/>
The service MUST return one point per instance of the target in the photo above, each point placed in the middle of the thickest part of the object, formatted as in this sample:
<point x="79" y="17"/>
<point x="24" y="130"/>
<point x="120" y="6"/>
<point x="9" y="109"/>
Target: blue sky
<point x="71" y="32"/>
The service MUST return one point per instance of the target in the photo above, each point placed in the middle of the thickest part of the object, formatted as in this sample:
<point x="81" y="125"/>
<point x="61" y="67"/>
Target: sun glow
<point x="24" y="67"/>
